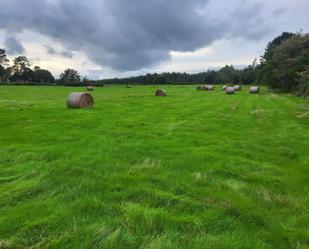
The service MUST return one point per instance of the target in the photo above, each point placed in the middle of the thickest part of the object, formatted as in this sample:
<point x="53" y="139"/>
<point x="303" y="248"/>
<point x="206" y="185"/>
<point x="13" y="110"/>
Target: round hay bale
<point x="79" y="100"/>
<point x="90" y="88"/>
<point x="237" y="88"/>
<point x="200" y="88"/>
<point x="254" y="89"/>
<point x="230" y="90"/>
<point x="161" y="92"/>
<point x="210" y="87"/>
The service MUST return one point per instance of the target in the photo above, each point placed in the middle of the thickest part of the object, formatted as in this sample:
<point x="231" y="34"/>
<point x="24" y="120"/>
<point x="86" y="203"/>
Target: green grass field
<point x="194" y="169"/>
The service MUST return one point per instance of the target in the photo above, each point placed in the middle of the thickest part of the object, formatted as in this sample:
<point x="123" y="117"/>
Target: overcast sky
<point x="117" y="38"/>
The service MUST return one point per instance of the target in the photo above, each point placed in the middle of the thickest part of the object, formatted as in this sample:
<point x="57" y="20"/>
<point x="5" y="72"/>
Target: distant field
<point x="194" y="169"/>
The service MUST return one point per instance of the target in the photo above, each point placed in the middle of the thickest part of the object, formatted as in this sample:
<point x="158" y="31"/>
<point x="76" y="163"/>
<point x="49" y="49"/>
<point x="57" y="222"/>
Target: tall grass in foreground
<point x="194" y="169"/>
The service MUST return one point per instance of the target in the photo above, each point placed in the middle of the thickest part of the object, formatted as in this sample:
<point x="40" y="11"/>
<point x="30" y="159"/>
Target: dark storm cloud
<point x="250" y="23"/>
<point x="13" y="46"/>
<point x="129" y="35"/>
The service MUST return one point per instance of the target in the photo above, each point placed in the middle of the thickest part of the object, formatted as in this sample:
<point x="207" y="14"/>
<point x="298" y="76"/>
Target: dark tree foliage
<point x="303" y="86"/>
<point x="290" y="59"/>
<point x="211" y="77"/>
<point x="273" y="44"/>
<point x="2" y="73"/>
<point x="20" y="71"/>
<point x="265" y="72"/>
<point x="227" y="74"/>
<point x="3" y="58"/>
<point x="160" y="80"/>
<point x="42" y="75"/>
<point x="3" y="63"/>
<point x="70" y="76"/>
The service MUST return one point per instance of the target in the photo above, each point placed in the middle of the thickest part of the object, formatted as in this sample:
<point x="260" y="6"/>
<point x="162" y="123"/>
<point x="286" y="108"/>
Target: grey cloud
<point x="278" y="12"/>
<point x="67" y="54"/>
<point x="250" y="22"/>
<point x="52" y="51"/>
<point x="130" y="35"/>
<point x="13" y="46"/>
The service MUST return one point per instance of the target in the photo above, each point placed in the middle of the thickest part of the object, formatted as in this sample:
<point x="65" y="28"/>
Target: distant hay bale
<point x="79" y="100"/>
<point x="237" y="88"/>
<point x="161" y="92"/>
<point x="209" y="87"/>
<point x="200" y="88"/>
<point x="254" y="90"/>
<point x="230" y="90"/>
<point x="89" y="88"/>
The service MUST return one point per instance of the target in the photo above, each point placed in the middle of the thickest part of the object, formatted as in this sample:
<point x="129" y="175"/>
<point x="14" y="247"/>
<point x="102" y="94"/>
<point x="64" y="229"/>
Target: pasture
<point x="194" y="169"/>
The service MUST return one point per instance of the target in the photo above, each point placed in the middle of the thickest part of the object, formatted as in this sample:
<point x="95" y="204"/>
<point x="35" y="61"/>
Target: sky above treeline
<point x="120" y="38"/>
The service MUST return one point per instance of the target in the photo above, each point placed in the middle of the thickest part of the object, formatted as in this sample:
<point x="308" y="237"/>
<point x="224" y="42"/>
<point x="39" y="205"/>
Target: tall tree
<point x="42" y="75"/>
<point x="228" y="74"/>
<point x="160" y="80"/>
<point x="288" y="61"/>
<point x="248" y="74"/>
<point x="3" y="63"/>
<point x="3" y="58"/>
<point x="70" y="76"/>
<point x="20" y="71"/>
<point x="211" y="76"/>
<point x="275" y="43"/>
<point x="264" y="70"/>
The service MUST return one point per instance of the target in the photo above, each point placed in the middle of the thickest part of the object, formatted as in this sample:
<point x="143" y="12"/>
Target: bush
<point x="303" y="85"/>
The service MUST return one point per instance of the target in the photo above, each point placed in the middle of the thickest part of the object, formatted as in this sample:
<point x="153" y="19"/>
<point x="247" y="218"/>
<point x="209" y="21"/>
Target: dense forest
<point x="284" y="67"/>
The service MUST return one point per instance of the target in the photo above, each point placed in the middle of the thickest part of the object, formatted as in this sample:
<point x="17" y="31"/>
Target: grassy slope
<point x="192" y="170"/>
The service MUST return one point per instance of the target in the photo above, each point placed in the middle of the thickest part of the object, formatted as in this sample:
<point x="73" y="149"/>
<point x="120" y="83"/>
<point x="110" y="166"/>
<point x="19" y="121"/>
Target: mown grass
<point x="192" y="170"/>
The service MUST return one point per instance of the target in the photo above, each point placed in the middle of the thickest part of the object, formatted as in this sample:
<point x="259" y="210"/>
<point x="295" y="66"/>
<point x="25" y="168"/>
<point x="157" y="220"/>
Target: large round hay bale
<point x="89" y="88"/>
<point x="161" y="92"/>
<point x="237" y="88"/>
<point x="79" y="100"/>
<point x="230" y="90"/>
<point x="254" y="89"/>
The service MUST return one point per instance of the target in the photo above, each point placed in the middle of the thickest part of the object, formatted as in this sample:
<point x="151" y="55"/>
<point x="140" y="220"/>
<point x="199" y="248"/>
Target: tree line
<point x="284" y="67"/>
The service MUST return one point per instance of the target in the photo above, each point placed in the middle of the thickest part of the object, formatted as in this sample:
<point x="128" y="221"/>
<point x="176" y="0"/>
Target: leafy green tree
<point x="274" y="44"/>
<point x="70" y="76"/>
<point x="3" y="58"/>
<point x="3" y="63"/>
<point x="228" y="74"/>
<point x="42" y="75"/>
<point x="248" y="74"/>
<point x="288" y="61"/>
<point x="148" y="79"/>
<point x="20" y="71"/>
<point x="2" y="73"/>
<point x="265" y="69"/>
<point x="86" y="80"/>
<point x="303" y="82"/>
<point x="160" y="80"/>
<point x="211" y="76"/>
